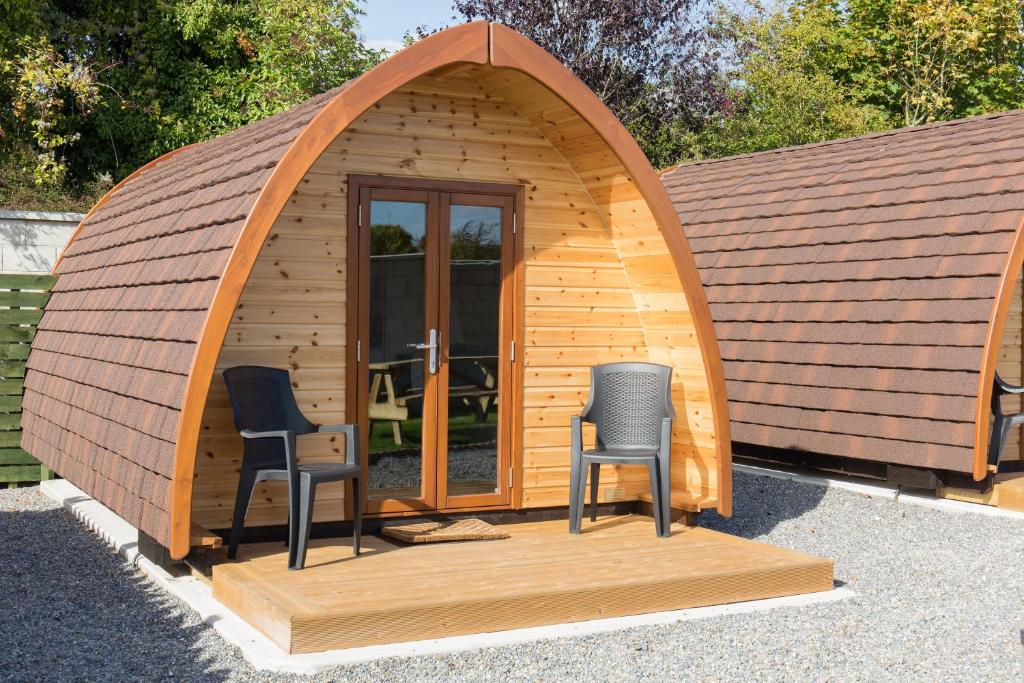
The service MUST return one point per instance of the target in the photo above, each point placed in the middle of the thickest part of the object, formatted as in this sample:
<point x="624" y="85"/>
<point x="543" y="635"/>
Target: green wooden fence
<point x="22" y="297"/>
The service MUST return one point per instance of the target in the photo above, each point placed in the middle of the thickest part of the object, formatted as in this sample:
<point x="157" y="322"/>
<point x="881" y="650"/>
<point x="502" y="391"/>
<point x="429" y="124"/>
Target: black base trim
<point x="897" y="474"/>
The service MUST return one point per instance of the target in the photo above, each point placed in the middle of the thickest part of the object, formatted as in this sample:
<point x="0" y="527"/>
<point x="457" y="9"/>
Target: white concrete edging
<point x="264" y="654"/>
<point x="881" y="490"/>
<point x="124" y="538"/>
<point x="61" y="216"/>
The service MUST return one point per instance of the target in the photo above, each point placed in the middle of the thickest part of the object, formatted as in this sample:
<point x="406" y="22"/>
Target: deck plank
<point x="539" y="576"/>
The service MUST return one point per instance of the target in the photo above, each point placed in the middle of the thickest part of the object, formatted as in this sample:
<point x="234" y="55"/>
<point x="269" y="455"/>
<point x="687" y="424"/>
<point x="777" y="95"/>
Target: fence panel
<point x="22" y="298"/>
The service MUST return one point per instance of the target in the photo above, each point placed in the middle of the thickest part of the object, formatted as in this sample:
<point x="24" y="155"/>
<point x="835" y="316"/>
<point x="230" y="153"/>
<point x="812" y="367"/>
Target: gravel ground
<point x="401" y="469"/>
<point x="939" y="597"/>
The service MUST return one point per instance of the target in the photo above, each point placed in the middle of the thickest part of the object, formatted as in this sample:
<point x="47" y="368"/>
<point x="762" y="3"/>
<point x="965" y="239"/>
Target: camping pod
<point x="865" y="292"/>
<point x="468" y="191"/>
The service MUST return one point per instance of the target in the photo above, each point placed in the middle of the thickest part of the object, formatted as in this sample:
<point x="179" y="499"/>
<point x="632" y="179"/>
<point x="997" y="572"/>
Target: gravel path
<point x="940" y="596"/>
<point x="402" y="469"/>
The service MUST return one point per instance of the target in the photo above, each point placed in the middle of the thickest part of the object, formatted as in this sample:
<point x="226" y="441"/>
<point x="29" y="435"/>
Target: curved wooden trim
<point x="464" y="43"/>
<point x="110" y="193"/>
<point x="990" y="357"/>
<point x="514" y="51"/>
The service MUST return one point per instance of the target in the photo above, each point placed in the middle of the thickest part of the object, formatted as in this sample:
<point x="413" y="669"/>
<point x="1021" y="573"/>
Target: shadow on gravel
<point x="760" y="504"/>
<point x="74" y="610"/>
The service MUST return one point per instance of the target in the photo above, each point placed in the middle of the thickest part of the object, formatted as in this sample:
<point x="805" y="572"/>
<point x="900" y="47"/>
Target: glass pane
<point x="475" y="233"/>
<point x="397" y="250"/>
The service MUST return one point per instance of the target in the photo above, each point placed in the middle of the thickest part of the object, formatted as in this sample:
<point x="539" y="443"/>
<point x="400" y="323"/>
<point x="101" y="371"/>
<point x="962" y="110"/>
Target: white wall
<point x="31" y="240"/>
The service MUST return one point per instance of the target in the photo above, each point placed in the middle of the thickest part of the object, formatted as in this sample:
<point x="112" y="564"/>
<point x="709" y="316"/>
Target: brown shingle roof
<point x="852" y="281"/>
<point x="110" y="360"/>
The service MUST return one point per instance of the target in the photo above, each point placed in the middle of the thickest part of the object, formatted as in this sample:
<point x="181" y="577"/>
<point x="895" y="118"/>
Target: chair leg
<point x="575" y="500"/>
<point x="357" y="518"/>
<point x="1004" y="436"/>
<point x="246" y="484"/>
<point x="665" y="479"/>
<point x="581" y="495"/>
<point x="997" y="439"/>
<point x="294" y="519"/>
<point x="595" y="482"/>
<point x="307" y="497"/>
<point x="656" y="510"/>
<point x="1002" y="446"/>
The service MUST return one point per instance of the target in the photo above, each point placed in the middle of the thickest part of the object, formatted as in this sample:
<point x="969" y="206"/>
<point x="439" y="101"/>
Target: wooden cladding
<point x="579" y="302"/>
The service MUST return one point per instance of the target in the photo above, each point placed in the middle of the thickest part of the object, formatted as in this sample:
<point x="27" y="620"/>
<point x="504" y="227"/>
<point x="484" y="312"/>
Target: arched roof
<point x="125" y="352"/>
<point x="860" y="287"/>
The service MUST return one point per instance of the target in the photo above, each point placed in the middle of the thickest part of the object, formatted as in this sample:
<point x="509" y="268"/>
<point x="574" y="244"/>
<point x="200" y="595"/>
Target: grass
<point x="462" y="430"/>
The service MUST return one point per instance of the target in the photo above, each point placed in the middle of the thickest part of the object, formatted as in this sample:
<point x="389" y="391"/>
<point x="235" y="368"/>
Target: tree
<point x="650" y="61"/>
<point x="816" y="70"/>
<point x="929" y="60"/>
<point x="783" y="82"/>
<point x="476" y="240"/>
<point x="389" y="239"/>
<point x="95" y="88"/>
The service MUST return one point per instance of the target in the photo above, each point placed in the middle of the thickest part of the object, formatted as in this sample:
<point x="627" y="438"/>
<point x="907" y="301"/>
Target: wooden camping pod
<point x="242" y="250"/>
<point x="865" y="291"/>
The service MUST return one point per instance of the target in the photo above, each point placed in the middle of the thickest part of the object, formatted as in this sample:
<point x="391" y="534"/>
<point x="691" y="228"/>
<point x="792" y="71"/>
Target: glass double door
<point x="434" y="338"/>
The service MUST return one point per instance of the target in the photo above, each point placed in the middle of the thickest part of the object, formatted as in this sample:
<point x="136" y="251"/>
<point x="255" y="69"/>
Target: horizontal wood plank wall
<point x="579" y="307"/>
<point x="291" y="315"/>
<point x="656" y="292"/>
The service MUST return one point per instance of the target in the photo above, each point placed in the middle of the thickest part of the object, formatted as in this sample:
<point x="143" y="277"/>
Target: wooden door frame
<point x="357" y="318"/>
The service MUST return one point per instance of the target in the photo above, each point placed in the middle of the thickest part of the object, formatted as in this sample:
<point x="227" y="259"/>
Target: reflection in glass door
<point x="472" y="273"/>
<point x="398" y="316"/>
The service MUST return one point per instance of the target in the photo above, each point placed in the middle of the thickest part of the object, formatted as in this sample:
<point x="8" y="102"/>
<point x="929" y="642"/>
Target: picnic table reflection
<point x="472" y="379"/>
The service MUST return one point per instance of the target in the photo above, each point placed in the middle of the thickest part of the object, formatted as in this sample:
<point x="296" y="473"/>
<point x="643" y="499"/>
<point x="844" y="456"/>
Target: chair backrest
<point x="628" y="402"/>
<point x="262" y="401"/>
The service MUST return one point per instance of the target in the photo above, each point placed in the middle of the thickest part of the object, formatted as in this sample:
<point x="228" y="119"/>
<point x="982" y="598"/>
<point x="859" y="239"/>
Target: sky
<point x="386" y="21"/>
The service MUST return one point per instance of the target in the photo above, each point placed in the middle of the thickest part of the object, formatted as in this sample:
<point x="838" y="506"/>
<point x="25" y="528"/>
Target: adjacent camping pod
<point x="438" y="250"/>
<point x="866" y="291"/>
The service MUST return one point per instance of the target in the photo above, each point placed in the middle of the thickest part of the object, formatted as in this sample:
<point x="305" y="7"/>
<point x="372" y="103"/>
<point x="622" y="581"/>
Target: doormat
<point x="439" y="532"/>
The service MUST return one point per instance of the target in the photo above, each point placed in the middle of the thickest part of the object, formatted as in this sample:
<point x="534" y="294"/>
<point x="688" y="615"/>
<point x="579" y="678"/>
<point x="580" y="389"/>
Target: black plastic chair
<point x="269" y="420"/>
<point x="631" y="406"/>
<point x="1002" y="425"/>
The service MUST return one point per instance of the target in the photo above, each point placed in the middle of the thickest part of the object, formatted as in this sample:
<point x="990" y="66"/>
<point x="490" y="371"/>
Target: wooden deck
<point x="539" y="576"/>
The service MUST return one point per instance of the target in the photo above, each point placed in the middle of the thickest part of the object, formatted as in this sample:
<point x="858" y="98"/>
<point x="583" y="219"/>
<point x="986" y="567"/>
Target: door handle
<point x="432" y="346"/>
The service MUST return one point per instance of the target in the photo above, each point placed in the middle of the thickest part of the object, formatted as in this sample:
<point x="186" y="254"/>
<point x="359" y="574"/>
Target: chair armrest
<point x="345" y="429"/>
<point x="289" y="449"/>
<point x="1006" y="388"/>
<point x="351" y="432"/>
<point x="278" y="434"/>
